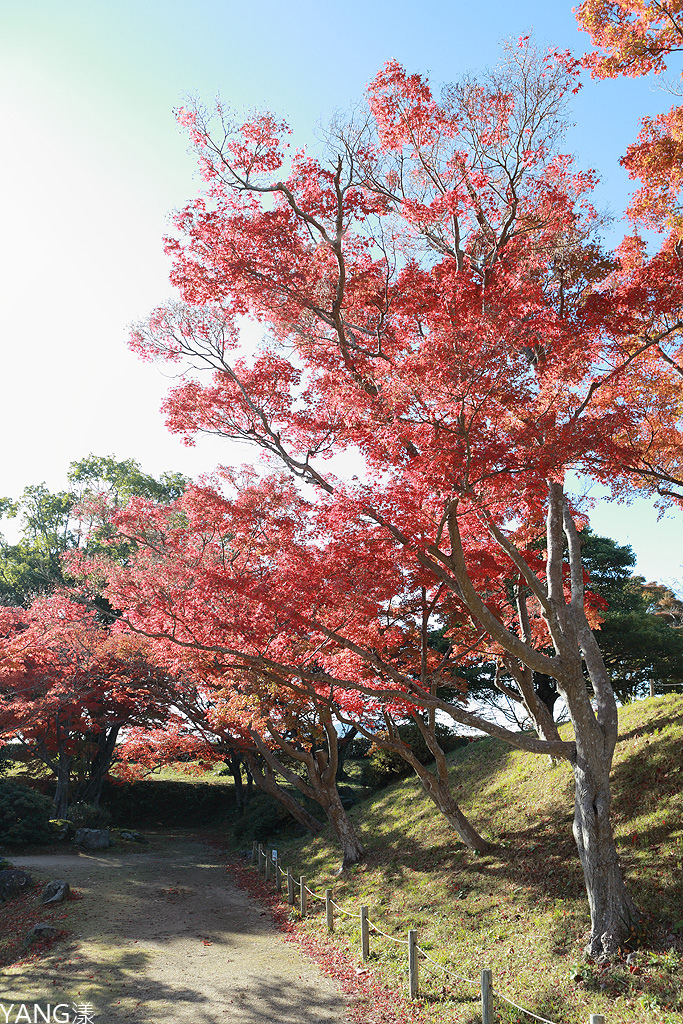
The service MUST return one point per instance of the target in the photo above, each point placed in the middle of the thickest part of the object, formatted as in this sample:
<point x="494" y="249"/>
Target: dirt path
<point x="165" y="936"/>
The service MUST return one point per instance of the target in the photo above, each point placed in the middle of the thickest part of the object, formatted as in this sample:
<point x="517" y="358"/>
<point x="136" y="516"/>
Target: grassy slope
<point x="521" y="911"/>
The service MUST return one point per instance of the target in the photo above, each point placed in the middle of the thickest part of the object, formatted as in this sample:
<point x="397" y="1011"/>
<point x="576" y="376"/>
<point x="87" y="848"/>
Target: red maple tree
<point x="68" y="684"/>
<point x="435" y="304"/>
<point x="636" y="37"/>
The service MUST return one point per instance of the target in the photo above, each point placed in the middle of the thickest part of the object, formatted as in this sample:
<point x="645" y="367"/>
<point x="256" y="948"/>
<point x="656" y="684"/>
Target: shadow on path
<point x="165" y="936"/>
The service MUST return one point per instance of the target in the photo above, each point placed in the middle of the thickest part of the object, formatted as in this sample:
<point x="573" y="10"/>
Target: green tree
<point x="51" y="523"/>
<point x="641" y="636"/>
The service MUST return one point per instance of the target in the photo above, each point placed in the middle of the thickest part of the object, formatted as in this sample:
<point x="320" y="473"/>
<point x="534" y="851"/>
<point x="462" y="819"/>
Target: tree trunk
<point x="321" y="767"/>
<point x="353" y="850"/>
<point x="322" y="775"/>
<point x="436" y="786"/>
<point x="439" y="792"/>
<point x="343" y="747"/>
<point x="614" y="916"/>
<point x="546" y="690"/>
<point x="266" y="782"/>
<point x="100" y="765"/>
<point x="235" y="765"/>
<point x="60" y="804"/>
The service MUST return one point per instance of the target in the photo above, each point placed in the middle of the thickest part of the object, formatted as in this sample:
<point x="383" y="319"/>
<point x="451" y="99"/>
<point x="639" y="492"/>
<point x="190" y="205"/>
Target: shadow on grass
<point x="535" y="849"/>
<point x="535" y="854"/>
<point x="648" y="807"/>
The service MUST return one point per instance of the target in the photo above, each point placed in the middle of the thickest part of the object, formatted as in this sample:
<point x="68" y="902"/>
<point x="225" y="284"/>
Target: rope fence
<point x="444" y="970"/>
<point x="315" y="895"/>
<point x="404" y="942"/>
<point x="346" y="913"/>
<point x="524" y="1010"/>
<point x="268" y="863"/>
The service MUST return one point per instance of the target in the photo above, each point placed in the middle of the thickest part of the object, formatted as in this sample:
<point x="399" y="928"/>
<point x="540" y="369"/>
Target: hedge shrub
<point x="85" y="815"/>
<point x="165" y="802"/>
<point x="24" y="815"/>
<point x="383" y="767"/>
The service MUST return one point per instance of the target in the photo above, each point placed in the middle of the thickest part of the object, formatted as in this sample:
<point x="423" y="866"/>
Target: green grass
<point x="188" y="771"/>
<point x="522" y="910"/>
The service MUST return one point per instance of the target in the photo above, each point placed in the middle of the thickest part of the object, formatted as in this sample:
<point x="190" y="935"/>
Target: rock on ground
<point x="93" y="838"/>
<point x="13" y="882"/>
<point x="55" y="891"/>
<point x="41" y="933"/>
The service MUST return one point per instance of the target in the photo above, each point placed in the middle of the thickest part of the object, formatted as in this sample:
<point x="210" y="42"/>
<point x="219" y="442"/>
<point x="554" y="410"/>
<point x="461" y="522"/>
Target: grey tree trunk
<point x="265" y="780"/>
<point x="436" y="784"/>
<point x="439" y="792"/>
<point x="546" y="690"/>
<point x="614" y="916"/>
<point x="343" y="747"/>
<point x="352" y="848"/>
<point x="321" y="768"/>
<point x="577" y="655"/>
<point x="100" y="764"/>
<point x="60" y="804"/>
<point x="235" y="765"/>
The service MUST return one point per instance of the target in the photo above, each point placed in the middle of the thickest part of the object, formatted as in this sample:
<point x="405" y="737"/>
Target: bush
<point x="62" y="829"/>
<point x="166" y="802"/>
<point x="85" y="815"/>
<point x="359" y="747"/>
<point x="383" y="767"/>
<point x="263" y="818"/>
<point x="24" y="815"/>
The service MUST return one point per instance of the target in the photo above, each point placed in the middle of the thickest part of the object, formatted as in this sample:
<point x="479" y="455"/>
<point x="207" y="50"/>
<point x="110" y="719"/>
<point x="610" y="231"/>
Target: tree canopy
<point x="435" y="300"/>
<point x="54" y="523"/>
<point x="433" y="295"/>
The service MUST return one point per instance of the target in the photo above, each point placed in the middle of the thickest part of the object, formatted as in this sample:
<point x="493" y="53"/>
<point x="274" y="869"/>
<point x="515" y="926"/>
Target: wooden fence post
<point x="364" y="933"/>
<point x="254" y="853"/>
<point x="329" y="910"/>
<point x="302" y="896"/>
<point x="487" y="996"/>
<point x="278" y="875"/>
<point x="260" y="857"/>
<point x="413" y="986"/>
<point x="290" y="887"/>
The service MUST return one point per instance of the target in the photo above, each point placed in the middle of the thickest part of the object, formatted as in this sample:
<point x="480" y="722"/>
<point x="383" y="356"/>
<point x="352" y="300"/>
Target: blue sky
<point x="93" y="164"/>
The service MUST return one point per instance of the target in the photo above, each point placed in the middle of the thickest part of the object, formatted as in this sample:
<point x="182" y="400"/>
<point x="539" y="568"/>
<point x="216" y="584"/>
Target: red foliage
<point x="636" y="37"/>
<point x="66" y="677"/>
<point x="436" y="305"/>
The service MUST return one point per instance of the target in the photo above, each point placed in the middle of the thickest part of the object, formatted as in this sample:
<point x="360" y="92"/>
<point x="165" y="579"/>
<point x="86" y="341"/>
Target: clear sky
<point x="93" y="163"/>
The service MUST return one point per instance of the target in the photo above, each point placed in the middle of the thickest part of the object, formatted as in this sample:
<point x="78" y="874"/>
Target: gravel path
<point x="165" y="936"/>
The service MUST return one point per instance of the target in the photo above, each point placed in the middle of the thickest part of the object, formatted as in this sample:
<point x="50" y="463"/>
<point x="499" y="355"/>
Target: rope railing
<point x="269" y="863"/>
<point x="451" y="974"/>
<point x="346" y="913"/>
<point x="523" y="1009"/>
<point x="404" y="942"/>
